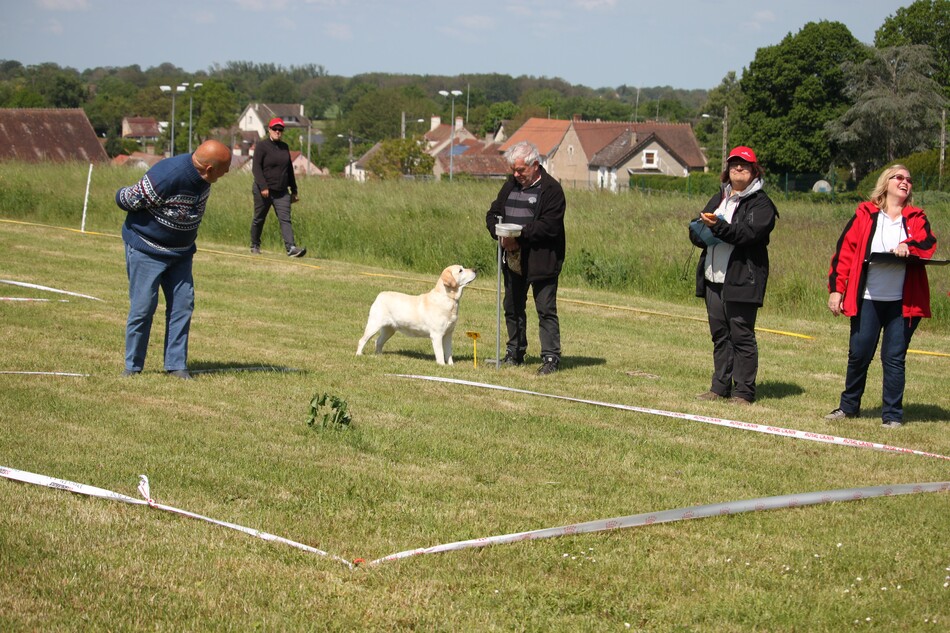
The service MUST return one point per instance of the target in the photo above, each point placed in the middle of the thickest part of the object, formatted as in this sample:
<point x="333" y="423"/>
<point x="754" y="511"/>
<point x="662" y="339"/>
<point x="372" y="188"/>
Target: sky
<point x="596" y="43"/>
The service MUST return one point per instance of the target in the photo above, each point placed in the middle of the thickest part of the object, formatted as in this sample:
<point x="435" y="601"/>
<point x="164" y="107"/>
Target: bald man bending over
<point x="164" y="210"/>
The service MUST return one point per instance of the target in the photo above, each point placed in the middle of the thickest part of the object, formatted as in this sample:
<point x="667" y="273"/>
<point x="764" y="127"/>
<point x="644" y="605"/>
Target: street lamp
<point x="454" y="93"/>
<point x="173" y="91"/>
<point x="403" y="127"/>
<point x="191" y="98"/>
<point x="725" y="130"/>
<point x="349" y="163"/>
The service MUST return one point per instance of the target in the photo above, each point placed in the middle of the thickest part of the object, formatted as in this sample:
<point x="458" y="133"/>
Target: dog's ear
<point x="448" y="279"/>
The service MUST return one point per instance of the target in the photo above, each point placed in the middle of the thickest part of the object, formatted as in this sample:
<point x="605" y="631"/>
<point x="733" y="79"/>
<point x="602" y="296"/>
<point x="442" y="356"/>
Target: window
<point x="650" y="159"/>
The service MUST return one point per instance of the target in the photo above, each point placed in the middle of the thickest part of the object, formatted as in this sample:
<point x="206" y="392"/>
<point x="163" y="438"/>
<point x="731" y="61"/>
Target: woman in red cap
<point x="878" y="280"/>
<point x="274" y="186"/>
<point x="733" y="231"/>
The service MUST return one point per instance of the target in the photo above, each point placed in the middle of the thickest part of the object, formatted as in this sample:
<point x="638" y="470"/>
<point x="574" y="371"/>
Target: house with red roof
<point x="576" y="152"/>
<point x="39" y="135"/>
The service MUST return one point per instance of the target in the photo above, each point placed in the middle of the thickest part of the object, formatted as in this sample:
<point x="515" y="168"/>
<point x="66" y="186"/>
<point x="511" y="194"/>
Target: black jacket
<point x="748" y="269"/>
<point x="542" y="240"/>
<point x="272" y="166"/>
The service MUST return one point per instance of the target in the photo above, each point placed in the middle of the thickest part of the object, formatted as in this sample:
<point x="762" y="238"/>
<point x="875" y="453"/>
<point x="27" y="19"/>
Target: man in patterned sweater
<point x="164" y="210"/>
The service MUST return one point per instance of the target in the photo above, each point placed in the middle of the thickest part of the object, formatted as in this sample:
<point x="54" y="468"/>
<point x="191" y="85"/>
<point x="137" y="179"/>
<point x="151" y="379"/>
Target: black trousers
<point x="545" y="302"/>
<point x="735" y="351"/>
<point x="280" y="200"/>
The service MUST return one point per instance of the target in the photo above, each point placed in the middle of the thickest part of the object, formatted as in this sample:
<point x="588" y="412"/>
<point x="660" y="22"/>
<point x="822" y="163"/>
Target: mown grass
<point x="427" y="463"/>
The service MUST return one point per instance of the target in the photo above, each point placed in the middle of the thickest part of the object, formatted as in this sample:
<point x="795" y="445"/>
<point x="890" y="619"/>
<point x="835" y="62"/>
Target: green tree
<point x="791" y="90"/>
<point x="896" y="107"/>
<point x="724" y="101"/>
<point x="113" y="99"/>
<point x="923" y="22"/>
<point x="279" y="89"/>
<point x="498" y="112"/>
<point x="216" y="106"/>
<point x="400" y="157"/>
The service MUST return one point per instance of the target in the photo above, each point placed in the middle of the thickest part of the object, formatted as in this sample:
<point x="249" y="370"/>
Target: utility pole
<point x="943" y="146"/>
<point x="725" y="133"/>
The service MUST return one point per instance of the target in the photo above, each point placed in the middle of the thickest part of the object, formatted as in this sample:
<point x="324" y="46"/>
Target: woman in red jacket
<point x="878" y="280"/>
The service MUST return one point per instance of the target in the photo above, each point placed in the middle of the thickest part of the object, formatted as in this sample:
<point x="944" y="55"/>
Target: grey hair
<point x="524" y="150"/>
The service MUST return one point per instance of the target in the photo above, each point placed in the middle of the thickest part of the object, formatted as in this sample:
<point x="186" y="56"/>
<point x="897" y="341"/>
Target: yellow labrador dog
<point x="432" y="314"/>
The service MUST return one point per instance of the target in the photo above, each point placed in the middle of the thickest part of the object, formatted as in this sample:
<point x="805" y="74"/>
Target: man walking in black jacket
<point x="534" y="199"/>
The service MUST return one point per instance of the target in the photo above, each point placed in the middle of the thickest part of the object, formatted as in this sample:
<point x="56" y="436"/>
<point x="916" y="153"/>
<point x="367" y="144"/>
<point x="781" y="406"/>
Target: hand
<point x="902" y="250"/>
<point x="294" y="198"/>
<point x="509" y="243"/>
<point x="709" y="219"/>
<point x="835" y="299"/>
<point x="265" y="193"/>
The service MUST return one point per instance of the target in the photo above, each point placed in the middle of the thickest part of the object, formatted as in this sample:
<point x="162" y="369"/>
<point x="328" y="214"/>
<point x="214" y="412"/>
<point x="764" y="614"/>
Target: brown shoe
<point x="742" y="402"/>
<point x="709" y="395"/>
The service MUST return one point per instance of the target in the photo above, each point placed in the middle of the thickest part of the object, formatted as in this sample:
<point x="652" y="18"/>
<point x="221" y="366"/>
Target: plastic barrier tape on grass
<point x="747" y="426"/>
<point x="603" y="525"/>
<point x="23" y="284"/>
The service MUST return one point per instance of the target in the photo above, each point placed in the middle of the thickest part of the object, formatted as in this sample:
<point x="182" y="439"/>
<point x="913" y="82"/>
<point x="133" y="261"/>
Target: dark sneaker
<point x="742" y="402"/>
<point x="710" y="395"/>
<point x="839" y="414"/>
<point x="255" y="250"/>
<point x="184" y="374"/>
<point x="549" y="366"/>
<point x="892" y="424"/>
<point x="296" y="251"/>
<point x="511" y="360"/>
<point x="131" y="372"/>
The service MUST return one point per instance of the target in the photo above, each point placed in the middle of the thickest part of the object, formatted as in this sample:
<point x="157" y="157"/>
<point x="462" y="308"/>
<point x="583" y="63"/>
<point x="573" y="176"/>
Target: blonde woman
<point x="878" y="280"/>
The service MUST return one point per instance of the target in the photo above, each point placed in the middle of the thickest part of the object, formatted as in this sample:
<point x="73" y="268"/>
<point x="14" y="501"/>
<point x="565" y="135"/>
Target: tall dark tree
<point x="923" y="22"/>
<point x="718" y="120"/>
<point x="791" y="90"/>
<point x="896" y="107"/>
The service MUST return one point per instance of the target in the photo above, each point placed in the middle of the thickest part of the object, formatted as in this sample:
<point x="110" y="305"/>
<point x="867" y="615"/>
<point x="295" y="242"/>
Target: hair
<point x="879" y="193"/>
<point x="757" y="172"/>
<point x="523" y="150"/>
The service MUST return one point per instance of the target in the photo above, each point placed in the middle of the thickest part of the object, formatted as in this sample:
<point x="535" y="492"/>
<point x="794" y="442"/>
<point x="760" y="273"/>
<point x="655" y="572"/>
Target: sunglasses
<point x="902" y="178"/>
<point x="278" y="129"/>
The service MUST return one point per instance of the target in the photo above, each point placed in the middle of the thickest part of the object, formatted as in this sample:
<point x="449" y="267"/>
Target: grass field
<point x="427" y="463"/>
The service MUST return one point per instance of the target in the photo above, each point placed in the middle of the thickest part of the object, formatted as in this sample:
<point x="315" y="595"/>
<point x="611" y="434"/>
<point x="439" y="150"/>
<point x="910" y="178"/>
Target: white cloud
<point x="203" y="17"/>
<point x="62" y="5"/>
<point x="338" y="31"/>
<point x="593" y="5"/>
<point x="262" y="5"/>
<point x="477" y="22"/>
<point x="759" y="21"/>
<point x="54" y="27"/>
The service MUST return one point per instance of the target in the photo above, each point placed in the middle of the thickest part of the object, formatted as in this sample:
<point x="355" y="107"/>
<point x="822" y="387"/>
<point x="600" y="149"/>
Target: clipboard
<point x="891" y="258"/>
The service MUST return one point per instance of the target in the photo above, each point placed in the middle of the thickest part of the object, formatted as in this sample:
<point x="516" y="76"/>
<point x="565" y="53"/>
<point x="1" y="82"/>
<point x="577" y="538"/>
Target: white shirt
<point x="717" y="255"/>
<point x="886" y="279"/>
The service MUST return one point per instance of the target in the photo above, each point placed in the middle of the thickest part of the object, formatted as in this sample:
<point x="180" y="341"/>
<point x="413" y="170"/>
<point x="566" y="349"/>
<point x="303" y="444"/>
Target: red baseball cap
<point x="279" y="121"/>
<point x="743" y="152"/>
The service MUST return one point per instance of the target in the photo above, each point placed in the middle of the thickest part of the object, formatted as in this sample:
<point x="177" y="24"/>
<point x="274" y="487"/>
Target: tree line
<point x="819" y="101"/>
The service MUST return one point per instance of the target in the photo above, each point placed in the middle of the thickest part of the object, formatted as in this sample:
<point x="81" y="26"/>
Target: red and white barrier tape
<point x="682" y="514"/>
<point x="637" y="520"/>
<point x="45" y="373"/>
<point x="47" y="289"/>
<point x="746" y="426"/>
<point x="144" y="490"/>
<point x="32" y="299"/>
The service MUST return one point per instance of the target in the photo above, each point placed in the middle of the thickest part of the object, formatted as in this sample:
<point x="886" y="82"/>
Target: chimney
<point x="458" y="123"/>
<point x="436" y="122"/>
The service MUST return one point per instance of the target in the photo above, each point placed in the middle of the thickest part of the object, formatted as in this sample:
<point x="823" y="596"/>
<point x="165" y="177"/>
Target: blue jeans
<point x="146" y="274"/>
<point x="873" y="318"/>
